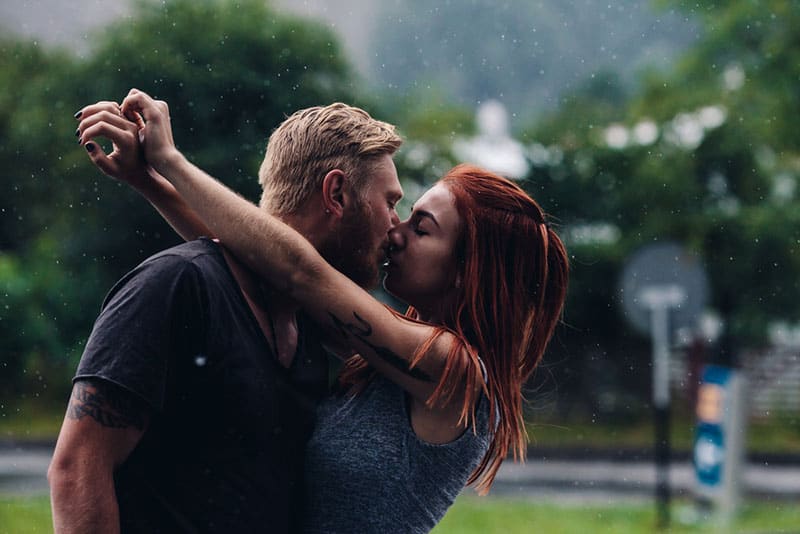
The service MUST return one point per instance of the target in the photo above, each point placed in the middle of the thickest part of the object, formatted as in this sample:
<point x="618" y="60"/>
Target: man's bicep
<point x="109" y="405"/>
<point x="105" y="417"/>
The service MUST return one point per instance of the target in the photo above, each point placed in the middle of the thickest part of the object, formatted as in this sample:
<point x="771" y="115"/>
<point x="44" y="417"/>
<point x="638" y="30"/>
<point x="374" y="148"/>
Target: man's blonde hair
<point x="314" y="141"/>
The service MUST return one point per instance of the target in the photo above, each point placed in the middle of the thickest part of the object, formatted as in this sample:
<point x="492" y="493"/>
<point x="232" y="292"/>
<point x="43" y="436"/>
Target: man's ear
<point x="333" y="192"/>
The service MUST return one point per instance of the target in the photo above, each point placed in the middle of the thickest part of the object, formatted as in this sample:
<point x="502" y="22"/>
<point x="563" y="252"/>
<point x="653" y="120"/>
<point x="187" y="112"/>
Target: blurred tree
<point x="231" y="72"/>
<point x="707" y="155"/>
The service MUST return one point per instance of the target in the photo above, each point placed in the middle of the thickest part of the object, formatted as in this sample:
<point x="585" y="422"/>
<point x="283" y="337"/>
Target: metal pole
<point x="660" y="331"/>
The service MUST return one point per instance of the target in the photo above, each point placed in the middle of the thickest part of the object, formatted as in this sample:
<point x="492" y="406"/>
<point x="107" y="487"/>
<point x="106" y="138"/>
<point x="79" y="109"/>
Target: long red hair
<point x="514" y="271"/>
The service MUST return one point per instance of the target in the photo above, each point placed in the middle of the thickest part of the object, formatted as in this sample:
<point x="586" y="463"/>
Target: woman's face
<point x="422" y="263"/>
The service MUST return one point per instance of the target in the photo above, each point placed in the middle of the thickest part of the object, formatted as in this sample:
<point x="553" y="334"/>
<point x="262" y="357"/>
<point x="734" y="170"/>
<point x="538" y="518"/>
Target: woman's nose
<point x="396" y="239"/>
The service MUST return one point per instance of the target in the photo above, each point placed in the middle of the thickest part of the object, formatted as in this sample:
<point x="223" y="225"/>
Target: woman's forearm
<point x="172" y="207"/>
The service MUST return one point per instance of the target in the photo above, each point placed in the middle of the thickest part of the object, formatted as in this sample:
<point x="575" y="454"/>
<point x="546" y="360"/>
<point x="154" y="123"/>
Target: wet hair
<point x="314" y="141"/>
<point x="514" y="271"/>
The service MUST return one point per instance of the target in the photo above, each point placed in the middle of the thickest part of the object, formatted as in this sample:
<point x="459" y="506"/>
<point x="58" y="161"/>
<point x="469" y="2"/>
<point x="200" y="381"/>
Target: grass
<point x="28" y="421"/>
<point x="24" y="515"/>
<point x="490" y="515"/>
<point x="777" y="434"/>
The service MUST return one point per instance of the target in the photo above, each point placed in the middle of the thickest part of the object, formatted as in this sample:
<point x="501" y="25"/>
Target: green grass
<point x="779" y="434"/>
<point x="28" y="421"/>
<point x="492" y="515"/>
<point x="25" y="515"/>
<point x="489" y="515"/>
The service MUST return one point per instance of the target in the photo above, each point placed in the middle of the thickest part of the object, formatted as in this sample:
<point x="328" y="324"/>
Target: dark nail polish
<point x="77" y="133"/>
<point x="90" y="147"/>
<point x="78" y="115"/>
<point x="80" y="140"/>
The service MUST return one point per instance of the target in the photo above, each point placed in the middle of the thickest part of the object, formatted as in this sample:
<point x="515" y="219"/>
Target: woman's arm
<point x="291" y="264"/>
<point x="126" y="164"/>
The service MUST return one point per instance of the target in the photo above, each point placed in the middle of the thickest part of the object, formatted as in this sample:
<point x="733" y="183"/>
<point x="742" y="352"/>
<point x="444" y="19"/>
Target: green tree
<point x="718" y="172"/>
<point x="231" y="72"/>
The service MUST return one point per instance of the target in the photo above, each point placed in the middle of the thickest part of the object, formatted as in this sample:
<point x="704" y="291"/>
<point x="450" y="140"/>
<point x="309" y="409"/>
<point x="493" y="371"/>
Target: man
<point x="195" y="393"/>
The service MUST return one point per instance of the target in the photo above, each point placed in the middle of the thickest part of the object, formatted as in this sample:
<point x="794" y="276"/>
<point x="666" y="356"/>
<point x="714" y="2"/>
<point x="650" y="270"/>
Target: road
<point x="23" y="471"/>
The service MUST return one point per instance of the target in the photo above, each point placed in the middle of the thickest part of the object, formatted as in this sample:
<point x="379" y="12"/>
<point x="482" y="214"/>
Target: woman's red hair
<point x="514" y="272"/>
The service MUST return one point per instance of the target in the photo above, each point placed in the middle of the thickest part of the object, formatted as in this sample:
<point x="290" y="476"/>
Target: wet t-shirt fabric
<point x="224" y="448"/>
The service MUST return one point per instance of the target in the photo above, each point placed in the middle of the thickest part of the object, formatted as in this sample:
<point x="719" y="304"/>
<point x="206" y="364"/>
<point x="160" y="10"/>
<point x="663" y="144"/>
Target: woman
<point x="433" y="399"/>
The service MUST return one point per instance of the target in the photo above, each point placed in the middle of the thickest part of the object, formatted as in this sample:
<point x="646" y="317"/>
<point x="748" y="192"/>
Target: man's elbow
<point x="63" y="475"/>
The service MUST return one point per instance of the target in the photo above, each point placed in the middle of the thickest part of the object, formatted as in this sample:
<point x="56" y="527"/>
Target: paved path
<point x="607" y="481"/>
<point x="23" y="472"/>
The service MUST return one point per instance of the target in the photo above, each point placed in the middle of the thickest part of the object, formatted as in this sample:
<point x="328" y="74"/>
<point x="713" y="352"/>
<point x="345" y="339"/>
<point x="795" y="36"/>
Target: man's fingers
<point x="142" y="103"/>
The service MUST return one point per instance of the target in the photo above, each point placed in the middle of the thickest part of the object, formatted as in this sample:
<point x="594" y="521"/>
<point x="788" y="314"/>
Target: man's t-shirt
<point x="224" y="449"/>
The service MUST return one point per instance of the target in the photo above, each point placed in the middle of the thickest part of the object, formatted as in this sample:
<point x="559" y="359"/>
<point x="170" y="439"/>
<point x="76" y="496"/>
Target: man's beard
<point x="345" y="248"/>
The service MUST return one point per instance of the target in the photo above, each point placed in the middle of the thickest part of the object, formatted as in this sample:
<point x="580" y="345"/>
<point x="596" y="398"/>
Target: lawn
<point x="472" y="515"/>
<point x="23" y="515"/>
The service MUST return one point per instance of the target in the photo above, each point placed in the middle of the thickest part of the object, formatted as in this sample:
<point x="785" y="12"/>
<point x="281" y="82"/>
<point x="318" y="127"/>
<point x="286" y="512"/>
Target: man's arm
<point x="103" y="424"/>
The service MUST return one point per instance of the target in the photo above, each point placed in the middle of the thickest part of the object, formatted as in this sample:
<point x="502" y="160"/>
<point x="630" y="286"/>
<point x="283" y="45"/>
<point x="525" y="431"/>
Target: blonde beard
<point x="344" y="249"/>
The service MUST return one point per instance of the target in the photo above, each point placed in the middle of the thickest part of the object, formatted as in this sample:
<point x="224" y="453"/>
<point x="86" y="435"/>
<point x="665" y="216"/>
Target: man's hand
<point x="155" y="132"/>
<point x="126" y="162"/>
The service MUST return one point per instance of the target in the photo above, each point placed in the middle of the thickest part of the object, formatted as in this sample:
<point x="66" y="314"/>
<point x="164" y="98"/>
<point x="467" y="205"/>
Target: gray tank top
<point x="367" y="471"/>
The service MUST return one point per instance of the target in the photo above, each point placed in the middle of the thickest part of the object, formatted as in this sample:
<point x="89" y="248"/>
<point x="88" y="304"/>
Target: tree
<point x="706" y="155"/>
<point x="231" y="72"/>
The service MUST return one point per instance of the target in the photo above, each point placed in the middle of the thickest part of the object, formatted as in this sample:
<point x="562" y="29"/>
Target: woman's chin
<point x="390" y="283"/>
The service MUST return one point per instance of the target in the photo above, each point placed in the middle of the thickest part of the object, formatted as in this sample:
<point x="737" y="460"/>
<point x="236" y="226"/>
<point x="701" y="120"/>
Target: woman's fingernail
<point x="77" y="132"/>
<point x="90" y="147"/>
<point x="78" y="115"/>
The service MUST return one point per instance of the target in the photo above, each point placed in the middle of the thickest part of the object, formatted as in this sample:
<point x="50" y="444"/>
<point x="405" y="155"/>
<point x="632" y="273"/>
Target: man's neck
<point x="274" y="311"/>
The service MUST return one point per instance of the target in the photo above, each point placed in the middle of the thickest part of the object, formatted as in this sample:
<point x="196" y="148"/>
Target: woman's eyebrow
<point x="427" y="214"/>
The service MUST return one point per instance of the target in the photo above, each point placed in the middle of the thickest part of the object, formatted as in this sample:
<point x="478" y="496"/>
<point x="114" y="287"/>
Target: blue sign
<point x="710" y="442"/>
<point x="709" y="453"/>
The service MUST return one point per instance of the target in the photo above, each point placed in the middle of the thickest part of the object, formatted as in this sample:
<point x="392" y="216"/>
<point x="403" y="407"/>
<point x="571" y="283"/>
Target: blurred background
<point x="635" y="124"/>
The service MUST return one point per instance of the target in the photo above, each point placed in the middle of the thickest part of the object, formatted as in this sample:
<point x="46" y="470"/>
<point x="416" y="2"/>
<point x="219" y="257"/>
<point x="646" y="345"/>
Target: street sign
<point x="719" y="440"/>
<point x="662" y="288"/>
<point x="668" y="269"/>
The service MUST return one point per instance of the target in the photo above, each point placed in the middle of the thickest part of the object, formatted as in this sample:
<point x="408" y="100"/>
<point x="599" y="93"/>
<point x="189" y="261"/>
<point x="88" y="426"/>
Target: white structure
<point x="493" y="147"/>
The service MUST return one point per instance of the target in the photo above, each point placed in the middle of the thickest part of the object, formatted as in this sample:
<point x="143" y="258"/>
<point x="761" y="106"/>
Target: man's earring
<point x="327" y="211"/>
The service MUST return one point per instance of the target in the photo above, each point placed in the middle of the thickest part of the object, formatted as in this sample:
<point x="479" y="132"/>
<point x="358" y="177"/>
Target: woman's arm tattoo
<point x="109" y="405"/>
<point x="361" y="329"/>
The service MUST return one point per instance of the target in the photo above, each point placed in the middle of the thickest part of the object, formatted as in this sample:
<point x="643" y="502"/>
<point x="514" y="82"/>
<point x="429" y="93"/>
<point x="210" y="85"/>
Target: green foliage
<point x="719" y="175"/>
<point x="231" y="72"/>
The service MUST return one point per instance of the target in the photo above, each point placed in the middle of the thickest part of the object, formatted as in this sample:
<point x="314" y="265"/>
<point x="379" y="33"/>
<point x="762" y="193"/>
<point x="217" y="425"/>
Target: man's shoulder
<point x="187" y="262"/>
<point x="201" y="255"/>
<point x="187" y="252"/>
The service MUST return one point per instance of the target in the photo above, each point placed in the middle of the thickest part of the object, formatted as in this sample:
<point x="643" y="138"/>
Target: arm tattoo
<point x="109" y="405"/>
<point x="363" y="329"/>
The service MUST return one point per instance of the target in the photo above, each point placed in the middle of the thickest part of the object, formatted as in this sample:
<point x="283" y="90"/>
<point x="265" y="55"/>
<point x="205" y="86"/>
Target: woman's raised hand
<point x="104" y="119"/>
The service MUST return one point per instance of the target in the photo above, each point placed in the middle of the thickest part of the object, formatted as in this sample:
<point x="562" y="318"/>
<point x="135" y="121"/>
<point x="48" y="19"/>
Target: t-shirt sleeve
<point x="145" y="319"/>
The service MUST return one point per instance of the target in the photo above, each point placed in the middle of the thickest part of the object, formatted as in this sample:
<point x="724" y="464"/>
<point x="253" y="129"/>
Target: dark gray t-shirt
<point x="224" y="449"/>
<point x="367" y="471"/>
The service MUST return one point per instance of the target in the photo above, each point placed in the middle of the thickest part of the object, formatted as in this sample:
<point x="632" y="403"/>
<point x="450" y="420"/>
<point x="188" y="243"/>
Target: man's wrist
<point x="168" y="163"/>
